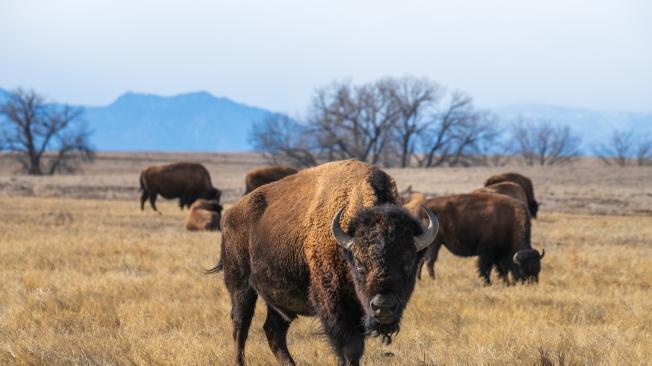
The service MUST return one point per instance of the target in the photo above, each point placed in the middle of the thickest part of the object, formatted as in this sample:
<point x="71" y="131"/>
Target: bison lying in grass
<point x="204" y="215"/>
<point x="330" y="241"/>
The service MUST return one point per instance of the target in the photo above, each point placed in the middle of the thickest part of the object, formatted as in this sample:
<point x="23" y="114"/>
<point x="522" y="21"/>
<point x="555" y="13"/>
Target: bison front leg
<point x="346" y="335"/>
<point x="276" y="330"/>
<point x="485" y="263"/>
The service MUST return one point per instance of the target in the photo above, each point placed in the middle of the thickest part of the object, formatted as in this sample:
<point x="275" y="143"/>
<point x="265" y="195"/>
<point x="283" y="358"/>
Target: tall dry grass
<point x="94" y="282"/>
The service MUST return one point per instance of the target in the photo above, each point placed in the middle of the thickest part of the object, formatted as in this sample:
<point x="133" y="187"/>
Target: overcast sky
<point x="273" y="53"/>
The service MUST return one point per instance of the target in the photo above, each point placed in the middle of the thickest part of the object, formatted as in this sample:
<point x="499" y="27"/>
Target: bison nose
<point x="383" y="307"/>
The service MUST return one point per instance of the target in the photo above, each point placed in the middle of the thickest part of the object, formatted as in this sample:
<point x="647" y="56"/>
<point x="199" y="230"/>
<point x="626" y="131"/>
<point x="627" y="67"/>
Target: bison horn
<point x="543" y="252"/>
<point x="424" y="240"/>
<point x="515" y="258"/>
<point x="340" y="236"/>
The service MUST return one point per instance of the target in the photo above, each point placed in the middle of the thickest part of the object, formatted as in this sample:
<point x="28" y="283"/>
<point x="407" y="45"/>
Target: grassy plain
<point x="97" y="282"/>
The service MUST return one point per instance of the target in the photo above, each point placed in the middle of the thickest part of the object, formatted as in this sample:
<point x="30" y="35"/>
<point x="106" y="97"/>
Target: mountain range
<point x="200" y="121"/>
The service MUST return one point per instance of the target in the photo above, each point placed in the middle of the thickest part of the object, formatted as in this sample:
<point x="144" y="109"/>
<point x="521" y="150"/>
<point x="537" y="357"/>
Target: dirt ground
<point x="586" y="186"/>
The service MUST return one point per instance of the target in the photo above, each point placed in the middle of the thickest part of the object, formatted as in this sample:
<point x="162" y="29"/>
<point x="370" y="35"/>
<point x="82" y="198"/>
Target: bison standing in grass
<point x="330" y="241"/>
<point x="204" y="215"/>
<point x="186" y="181"/>
<point x="524" y="182"/>
<point x="261" y="176"/>
<point x="493" y="227"/>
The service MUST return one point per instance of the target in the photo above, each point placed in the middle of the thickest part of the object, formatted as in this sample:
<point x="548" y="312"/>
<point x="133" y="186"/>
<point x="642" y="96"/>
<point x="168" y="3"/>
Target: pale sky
<point x="273" y="53"/>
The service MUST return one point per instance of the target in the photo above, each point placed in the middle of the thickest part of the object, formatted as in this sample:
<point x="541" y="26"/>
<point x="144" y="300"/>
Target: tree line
<point x="393" y="122"/>
<point x="401" y="122"/>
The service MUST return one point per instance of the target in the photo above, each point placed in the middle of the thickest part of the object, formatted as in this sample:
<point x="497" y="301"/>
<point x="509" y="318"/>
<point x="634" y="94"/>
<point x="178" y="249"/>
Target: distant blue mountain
<point x="187" y="122"/>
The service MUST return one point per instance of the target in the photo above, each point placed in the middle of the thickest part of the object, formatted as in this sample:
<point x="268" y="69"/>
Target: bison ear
<point x="543" y="252"/>
<point x="341" y="237"/>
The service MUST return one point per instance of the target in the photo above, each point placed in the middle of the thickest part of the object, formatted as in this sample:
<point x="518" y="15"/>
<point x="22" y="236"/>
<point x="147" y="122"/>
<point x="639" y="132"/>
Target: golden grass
<point x="100" y="283"/>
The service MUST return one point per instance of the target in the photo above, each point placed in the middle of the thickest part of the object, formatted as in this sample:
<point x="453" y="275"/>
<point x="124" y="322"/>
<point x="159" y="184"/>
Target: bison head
<point x="213" y="194"/>
<point x="533" y="208"/>
<point x="383" y="247"/>
<point x="528" y="265"/>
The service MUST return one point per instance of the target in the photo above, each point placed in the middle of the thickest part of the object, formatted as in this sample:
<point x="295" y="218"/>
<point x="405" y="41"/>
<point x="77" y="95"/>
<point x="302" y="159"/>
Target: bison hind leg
<point x="152" y="200"/>
<point x="243" y="304"/>
<point x="143" y="198"/>
<point x="276" y="329"/>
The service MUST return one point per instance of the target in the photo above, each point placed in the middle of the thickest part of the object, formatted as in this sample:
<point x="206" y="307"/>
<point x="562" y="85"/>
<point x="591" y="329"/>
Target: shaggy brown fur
<point x="277" y="244"/>
<point x="258" y="177"/>
<point x="507" y="188"/>
<point x="204" y="215"/>
<point x="491" y="226"/>
<point x="522" y="181"/>
<point x="186" y="181"/>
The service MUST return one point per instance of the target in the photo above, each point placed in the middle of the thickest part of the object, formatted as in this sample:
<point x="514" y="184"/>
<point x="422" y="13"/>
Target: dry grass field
<point x="86" y="278"/>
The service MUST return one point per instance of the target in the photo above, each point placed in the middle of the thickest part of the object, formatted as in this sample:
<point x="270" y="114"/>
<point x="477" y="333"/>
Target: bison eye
<point x="360" y="268"/>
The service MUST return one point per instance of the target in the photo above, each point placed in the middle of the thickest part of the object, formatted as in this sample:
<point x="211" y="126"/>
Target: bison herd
<point x="338" y="242"/>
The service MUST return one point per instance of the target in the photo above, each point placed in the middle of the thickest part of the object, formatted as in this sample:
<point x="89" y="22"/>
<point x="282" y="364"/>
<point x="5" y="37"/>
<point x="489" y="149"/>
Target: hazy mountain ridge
<point x="200" y="121"/>
<point x="593" y="126"/>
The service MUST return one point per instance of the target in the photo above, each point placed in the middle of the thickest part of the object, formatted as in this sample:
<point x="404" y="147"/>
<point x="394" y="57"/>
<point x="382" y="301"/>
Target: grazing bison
<point x="507" y="188"/>
<point x="186" y="181"/>
<point x="258" y="177"/>
<point x="522" y="181"/>
<point x="204" y="215"/>
<point x="330" y="241"/>
<point x="493" y="227"/>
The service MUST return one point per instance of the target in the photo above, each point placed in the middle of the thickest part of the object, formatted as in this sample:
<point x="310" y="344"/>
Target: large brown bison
<point x="258" y="177"/>
<point x="186" y="181"/>
<point x="330" y="241"/>
<point x="506" y="188"/>
<point x="204" y="215"/>
<point x="522" y="181"/>
<point x="496" y="228"/>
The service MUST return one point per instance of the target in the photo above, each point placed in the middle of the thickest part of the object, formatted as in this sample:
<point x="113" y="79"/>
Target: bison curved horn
<point x="424" y="240"/>
<point x="543" y="252"/>
<point x="341" y="237"/>
<point x="515" y="258"/>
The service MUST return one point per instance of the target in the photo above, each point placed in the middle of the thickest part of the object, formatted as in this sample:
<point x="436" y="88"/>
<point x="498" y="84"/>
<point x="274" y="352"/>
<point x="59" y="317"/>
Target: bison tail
<point x="142" y="182"/>
<point x="220" y="264"/>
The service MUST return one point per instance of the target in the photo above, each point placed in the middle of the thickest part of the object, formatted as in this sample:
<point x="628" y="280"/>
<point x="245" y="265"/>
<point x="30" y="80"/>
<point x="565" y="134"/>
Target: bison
<point x="496" y="228"/>
<point x="204" y="215"/>
<point x="506" y="188"/>
<point x="186" y="181"/>
<point x="524" y="182"/>
<point x="258" y="177"/>
<point x="330" y="241"/>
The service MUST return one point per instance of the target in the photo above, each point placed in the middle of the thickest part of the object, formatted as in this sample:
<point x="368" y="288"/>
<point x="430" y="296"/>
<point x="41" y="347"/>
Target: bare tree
<point x="413" y="99"/>
<point x="644" y="152"/>
<point x="619" y="149"/>
<point x="458" y="134"/>
<point x="281" y="139"/>
<point x="352" y="122"/>
<point x="623" y="147"/>
<point x="43" y="138"/>
<point x="540" y="143"/>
